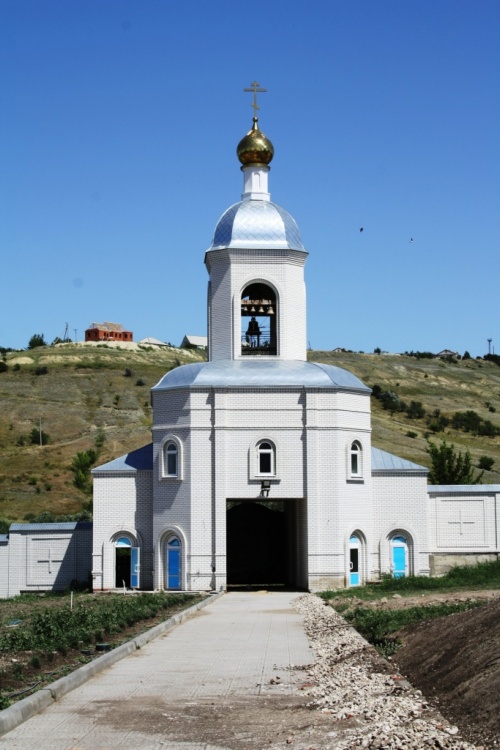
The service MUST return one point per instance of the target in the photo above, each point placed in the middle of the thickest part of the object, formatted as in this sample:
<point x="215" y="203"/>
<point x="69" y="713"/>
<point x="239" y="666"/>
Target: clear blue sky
<point x="119" y="124"/>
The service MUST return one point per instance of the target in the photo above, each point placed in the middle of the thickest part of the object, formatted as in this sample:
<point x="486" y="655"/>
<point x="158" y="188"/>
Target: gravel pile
<point x="375" y="707"/>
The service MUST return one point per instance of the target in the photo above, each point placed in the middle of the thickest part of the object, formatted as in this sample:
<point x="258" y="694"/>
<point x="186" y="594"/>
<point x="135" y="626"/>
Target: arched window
<point x="355" y="460"/>
<point x="171" y="459"/>
<point x="265" y="458"/>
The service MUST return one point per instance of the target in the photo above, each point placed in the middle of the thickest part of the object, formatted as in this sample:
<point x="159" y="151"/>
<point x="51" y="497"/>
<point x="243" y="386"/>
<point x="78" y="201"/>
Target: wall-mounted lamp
<point x="265" y="486"/>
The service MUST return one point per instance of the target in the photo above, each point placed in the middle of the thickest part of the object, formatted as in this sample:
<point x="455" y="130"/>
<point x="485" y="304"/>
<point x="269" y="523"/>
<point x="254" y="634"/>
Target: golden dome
<point x="255" y="148"/>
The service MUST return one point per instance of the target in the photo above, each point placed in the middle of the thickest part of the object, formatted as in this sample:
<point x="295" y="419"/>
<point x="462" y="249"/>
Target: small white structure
<point x="261" y="469"/>
<point x="150" y="341"/>
<point x="44" y="557"/>
<point x="194" y="342"/>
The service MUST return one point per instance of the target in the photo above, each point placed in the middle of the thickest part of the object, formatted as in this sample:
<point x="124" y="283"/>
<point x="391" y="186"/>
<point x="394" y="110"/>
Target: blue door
<point x="135" y="568"/>
<point x="174" y="577"/>
<point x="399" y="555"/>
<point x="354" y="561"/>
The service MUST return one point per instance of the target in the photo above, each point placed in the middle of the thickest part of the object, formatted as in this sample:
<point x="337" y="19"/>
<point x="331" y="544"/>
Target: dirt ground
<point x="455" y="662"/>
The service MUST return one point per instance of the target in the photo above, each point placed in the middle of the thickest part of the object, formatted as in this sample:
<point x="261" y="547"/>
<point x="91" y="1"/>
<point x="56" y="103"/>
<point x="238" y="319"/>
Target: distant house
<point x="108" y="332"/>
<point x="150" y="341"/>
<point x="194" y="342"/>
<point x="447" y="353"/>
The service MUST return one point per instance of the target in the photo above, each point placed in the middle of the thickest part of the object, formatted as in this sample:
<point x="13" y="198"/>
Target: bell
<point x="261" y="309"/>
<point x="253" y="328"/>
<point x="270" y="310"/>
<point x="252" y="309"/>
<point x="244" y="308"/>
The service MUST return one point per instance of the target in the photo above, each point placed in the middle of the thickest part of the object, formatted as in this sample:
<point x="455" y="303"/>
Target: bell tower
<point x="256" y="292"/>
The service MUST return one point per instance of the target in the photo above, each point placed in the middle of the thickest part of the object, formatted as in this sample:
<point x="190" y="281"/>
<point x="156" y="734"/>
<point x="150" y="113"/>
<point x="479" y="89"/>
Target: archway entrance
<point x="123" y="559"/>
<point x="173" y="564"/>
<point x="354" y="560"/>
<point x="265" y="545"/>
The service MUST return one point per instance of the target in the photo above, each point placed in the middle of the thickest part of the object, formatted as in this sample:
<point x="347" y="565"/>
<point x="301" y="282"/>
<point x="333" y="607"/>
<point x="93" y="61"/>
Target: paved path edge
<point x="13" y="716"/>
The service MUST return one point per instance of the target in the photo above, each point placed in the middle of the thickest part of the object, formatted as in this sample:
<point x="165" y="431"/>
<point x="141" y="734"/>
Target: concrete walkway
<point x="240" y="646"/>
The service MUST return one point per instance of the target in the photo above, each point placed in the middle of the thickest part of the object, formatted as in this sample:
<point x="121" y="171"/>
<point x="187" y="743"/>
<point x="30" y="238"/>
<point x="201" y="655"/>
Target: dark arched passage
<point x="258" y="544"/>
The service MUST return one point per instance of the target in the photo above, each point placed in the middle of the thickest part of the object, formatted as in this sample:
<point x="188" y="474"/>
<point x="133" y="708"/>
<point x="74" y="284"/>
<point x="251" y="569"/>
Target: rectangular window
<point x="265" y="463"/>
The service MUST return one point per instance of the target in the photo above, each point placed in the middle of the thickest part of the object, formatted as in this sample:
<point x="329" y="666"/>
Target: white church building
<point x="261" y="469"/>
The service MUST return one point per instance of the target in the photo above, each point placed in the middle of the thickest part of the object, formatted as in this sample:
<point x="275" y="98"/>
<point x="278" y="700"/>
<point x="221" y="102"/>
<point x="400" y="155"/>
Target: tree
<point x="80" y="466"/>
<point x="450" y="467"/>
<point x="36" y="340"/>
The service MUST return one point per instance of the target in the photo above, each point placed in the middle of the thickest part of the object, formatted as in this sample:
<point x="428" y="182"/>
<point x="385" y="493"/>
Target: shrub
<point x="486" y="463"/>
<point x="100" y="438"/>
<point x="437" y="422"/>
<point x="411" y="434"/>
<point x="140" y="381"/>
<point x="3" y="366"/>
<point x="41" y="370"/>
<point x="38" y="437"/>
<point x="128" y="373"/>
<point x="415" y="410"/>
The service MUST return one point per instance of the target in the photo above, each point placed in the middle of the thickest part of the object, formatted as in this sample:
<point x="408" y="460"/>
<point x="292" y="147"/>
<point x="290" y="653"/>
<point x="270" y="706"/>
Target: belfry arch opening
<point x="258" y="320"/>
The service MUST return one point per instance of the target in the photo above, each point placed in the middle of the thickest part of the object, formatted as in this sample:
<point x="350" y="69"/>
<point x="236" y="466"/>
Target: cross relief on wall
<point x="461" y="523"/>
<point x="46" y="557"/>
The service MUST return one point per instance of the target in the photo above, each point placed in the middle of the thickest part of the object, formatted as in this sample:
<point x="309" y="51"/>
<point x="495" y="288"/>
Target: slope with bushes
<point x="69" y="407"/>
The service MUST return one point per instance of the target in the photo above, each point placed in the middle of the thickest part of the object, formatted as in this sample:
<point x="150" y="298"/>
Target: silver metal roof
<point x="463" y="489"/>
<point x="381" y="462"/>
<point x="63" y="526"/>
<point x="138" y="460"/>
<point x="261" y="374"/>
<point x="256" y="223"/>
<point x="384" y="461"/>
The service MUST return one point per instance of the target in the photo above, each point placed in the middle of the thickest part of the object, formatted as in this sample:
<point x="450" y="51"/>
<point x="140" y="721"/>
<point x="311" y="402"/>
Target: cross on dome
<point x="255" y="89"/>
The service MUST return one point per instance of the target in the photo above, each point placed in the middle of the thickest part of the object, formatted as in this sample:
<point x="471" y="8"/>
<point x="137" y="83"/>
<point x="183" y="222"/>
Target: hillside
<point x="98" y="396"/>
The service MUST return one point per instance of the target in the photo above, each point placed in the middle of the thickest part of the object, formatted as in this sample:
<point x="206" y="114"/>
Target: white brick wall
<point x="230" y="272"/>
<point x="44" y="559"/>
<point x="122" y="505"/>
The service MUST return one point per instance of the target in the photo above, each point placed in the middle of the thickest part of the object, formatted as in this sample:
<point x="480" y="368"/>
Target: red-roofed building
<point x="108" y="332"/>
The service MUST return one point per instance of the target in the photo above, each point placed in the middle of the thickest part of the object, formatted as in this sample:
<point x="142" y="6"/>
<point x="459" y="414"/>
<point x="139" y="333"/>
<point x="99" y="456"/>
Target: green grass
<point x="482" y="576"/>
<point x="57" y="627"/>
<point x="35" y="630"/>
<point x="378" y="625"/>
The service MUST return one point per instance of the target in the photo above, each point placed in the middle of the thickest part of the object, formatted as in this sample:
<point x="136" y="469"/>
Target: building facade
<point x="108" y="332"/>
<point x="261" y="469"/>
